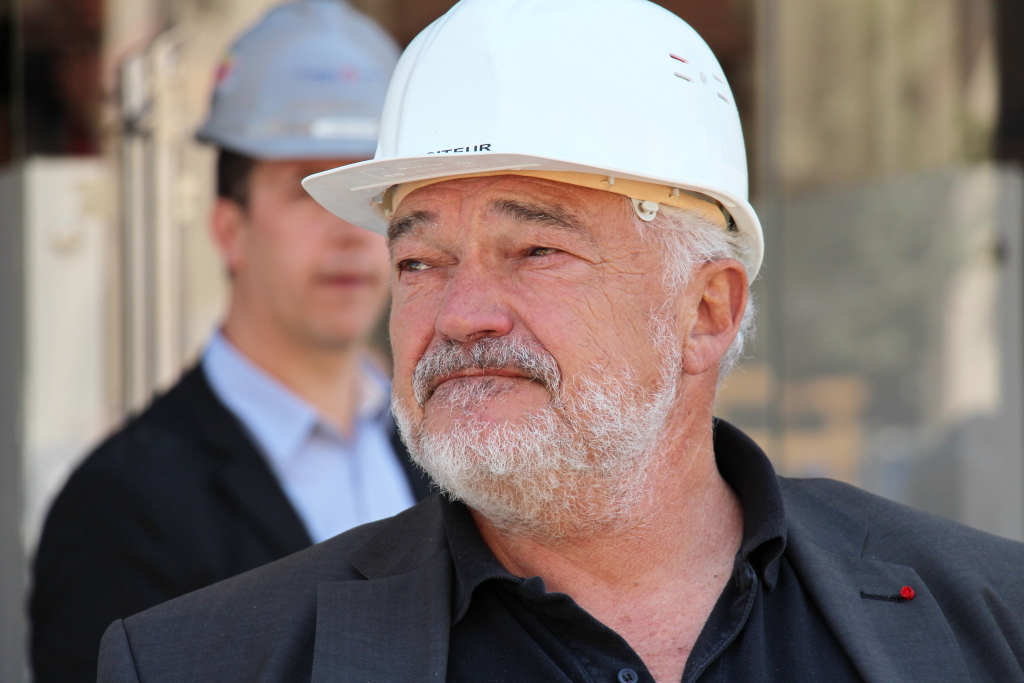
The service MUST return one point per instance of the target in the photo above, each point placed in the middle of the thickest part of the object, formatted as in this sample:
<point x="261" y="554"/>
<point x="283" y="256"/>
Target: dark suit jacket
<point x="373" y="604"/>
<point x="176" y="500"/>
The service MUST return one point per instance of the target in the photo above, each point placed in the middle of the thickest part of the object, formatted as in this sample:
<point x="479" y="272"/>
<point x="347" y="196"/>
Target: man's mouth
<point x="488" y="361"/>
<point x="347" y="280"/>
<point x="477" y="372"/>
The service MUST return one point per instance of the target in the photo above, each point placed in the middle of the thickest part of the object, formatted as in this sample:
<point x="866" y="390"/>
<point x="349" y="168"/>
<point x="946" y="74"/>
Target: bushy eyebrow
<point x="524" y="212"/>
<point x="402" y="225"/>
<point x="545" y="214"/>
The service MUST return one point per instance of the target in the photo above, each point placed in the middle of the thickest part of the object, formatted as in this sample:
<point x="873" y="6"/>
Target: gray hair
<point x="687" y="241"/>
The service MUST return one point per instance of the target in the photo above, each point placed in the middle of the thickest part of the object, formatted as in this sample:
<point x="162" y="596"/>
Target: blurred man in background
<point x="281" y="436"/>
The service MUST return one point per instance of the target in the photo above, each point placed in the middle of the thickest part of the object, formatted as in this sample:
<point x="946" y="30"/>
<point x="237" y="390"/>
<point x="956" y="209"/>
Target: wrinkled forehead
<point x="517" y="199"/>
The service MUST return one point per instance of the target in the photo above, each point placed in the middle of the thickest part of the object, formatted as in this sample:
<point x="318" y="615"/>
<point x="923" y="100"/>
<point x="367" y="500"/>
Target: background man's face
<point x="555" y="266"/>
<point x="318" y="277"/>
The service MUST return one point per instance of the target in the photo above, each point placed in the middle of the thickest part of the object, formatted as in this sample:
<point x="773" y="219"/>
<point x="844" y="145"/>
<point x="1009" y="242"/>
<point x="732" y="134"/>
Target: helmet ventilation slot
<point x="684" y="61"/>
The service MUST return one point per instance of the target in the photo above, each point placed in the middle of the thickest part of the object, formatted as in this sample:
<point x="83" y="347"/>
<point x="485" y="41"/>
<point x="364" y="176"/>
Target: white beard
<point x="578" y="467"/>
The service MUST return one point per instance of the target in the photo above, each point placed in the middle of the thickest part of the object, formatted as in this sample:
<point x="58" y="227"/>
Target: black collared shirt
<point x="764" y="627"/>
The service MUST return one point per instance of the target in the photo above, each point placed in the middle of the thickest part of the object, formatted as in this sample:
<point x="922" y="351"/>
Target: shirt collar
<point x="275" y="416"/>
<point x="474" y="562"/>
<point x="374" y="392"/>
<point x="278" y="420"/>
<point x="742" y="464"/>
<point x="746" y="468"/>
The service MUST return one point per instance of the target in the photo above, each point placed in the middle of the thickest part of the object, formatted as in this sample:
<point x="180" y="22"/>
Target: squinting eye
<point x="409" y="265"/>
<point x="541" y="251"/>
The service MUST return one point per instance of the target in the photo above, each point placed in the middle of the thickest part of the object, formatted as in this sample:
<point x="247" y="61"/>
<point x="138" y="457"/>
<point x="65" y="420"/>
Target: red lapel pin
<point x="906" y="593"/>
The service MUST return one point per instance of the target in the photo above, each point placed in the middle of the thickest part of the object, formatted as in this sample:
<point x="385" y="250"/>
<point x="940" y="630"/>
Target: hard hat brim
<point x="355" y="192"/>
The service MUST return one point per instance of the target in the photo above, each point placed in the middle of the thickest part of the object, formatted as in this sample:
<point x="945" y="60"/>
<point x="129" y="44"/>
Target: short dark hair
<point x="234" y="171"/>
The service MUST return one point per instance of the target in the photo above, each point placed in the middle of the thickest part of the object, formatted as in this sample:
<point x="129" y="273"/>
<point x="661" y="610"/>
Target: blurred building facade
<point x="889" y="349"/>
<point x="880" y="135"/>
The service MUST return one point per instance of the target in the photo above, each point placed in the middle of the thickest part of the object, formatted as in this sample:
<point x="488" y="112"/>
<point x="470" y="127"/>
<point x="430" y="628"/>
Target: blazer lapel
<point x="245" y="476"/>
<point x="888" y="641"/>
<point x="389" y="630"/>
<point x="248" y="481"/>
<point x="394" y="626"/>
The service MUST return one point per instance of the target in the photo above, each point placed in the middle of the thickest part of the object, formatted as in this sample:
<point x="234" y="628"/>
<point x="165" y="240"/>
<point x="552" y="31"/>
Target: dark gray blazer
<point x="372" y="605"/>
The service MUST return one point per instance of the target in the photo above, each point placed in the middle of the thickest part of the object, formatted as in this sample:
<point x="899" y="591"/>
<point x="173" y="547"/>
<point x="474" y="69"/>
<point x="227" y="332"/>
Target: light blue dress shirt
<point x="333" y="482"/>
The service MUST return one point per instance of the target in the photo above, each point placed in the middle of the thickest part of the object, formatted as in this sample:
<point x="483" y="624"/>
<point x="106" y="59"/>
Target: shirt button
<point x="628" y="676"/>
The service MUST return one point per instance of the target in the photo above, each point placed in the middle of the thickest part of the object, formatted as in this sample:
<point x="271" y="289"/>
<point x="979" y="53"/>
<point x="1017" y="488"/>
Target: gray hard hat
<point x="307" y="81"/>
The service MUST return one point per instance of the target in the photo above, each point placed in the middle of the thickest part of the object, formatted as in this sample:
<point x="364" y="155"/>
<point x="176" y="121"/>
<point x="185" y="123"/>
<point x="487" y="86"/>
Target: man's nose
<point x="343" y="233"/>
<point x="474" y="305"/>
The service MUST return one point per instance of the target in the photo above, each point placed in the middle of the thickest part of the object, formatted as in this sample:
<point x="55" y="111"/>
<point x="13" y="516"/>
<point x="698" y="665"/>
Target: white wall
<point x="69" y="237"/>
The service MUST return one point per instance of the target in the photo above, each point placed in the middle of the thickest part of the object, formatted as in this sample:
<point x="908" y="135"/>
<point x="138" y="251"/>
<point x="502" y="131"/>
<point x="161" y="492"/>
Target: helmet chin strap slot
<point x="385" y="201"/>
<point x="646" y="210"/>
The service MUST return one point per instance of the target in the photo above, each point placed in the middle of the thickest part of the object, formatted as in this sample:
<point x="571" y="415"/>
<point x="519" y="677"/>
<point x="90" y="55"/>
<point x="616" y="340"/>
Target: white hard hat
<point x="620" y="95"/>
<point x="307" y="81"/>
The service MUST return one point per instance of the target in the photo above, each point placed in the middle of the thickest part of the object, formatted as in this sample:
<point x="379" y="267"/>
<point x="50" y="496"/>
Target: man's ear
<point x="228" y="222"/>
<point x="720" y="290"/>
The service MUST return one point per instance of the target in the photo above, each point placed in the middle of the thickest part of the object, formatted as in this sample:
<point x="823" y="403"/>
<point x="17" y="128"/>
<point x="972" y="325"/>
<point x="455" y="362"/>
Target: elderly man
<point x="562" y="185"/>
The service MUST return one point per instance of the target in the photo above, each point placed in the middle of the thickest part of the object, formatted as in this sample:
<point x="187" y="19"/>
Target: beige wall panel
<point x="869" y="87"/>
<point x="67" y="229"/>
